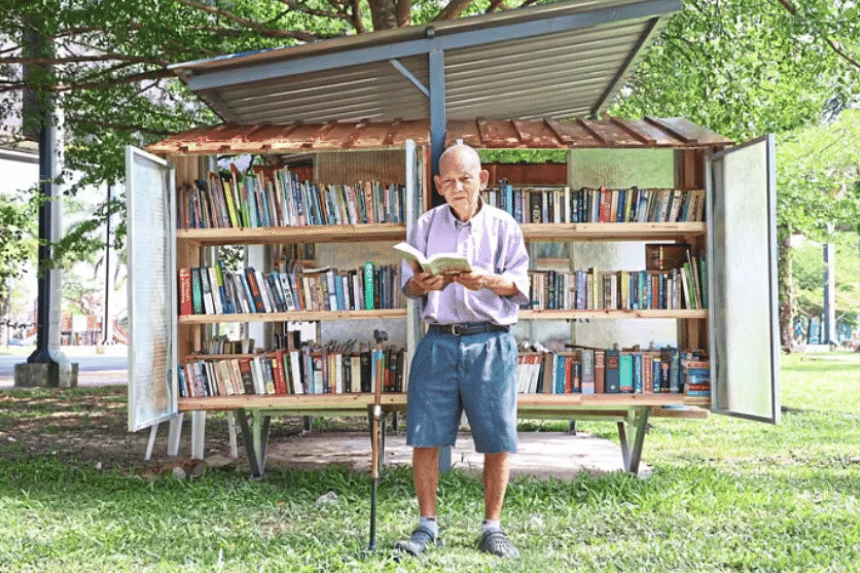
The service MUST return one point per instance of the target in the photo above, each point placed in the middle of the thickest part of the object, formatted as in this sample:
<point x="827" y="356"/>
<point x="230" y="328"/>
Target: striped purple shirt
<point x="491" y="240"/>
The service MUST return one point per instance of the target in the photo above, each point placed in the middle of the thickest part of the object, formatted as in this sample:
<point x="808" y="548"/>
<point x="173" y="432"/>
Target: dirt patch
<point x="89" y="426"/>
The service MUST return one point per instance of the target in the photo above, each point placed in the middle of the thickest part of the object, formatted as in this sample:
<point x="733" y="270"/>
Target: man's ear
<point x="485" y="178"/>
<point x="438" y="181"/>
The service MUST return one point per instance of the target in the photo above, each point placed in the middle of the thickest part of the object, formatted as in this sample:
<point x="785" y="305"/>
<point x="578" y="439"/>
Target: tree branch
<point x="257" y="27"/>
<point x="495" y="5"/>
<point x="355" y="19"/>
<point x="340" y="15"/>
<point x="403" y="12"/>
<point x="82" y="59"/>
<point x="452" y="10"/>
<point x="119" y="126"/>
<point x="833" y="45"/>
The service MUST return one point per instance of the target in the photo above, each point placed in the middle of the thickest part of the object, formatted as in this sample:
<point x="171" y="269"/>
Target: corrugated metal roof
<point x="481" y="133"/>
<point x="563" y="59"/>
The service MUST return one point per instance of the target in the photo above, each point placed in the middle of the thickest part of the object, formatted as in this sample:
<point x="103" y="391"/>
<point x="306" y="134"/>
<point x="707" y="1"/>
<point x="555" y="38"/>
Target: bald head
<point x="462" y="154"/>
<point x="461" y="179"/>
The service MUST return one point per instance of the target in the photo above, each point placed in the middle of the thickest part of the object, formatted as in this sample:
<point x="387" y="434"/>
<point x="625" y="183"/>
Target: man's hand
<point x="480" y="279"/>
<point x="475" y="280"/>
<point x="423" y="282"/>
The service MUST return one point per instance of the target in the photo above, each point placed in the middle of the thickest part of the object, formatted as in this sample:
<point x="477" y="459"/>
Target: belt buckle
<point x="459" y="329"/>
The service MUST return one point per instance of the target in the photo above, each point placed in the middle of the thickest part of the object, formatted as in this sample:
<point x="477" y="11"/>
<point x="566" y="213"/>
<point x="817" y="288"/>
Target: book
<point x="587" y="359"/>
<point x="186" y="306"/>
<point x="612" y="371"/>
<point x="599" y="371"/>
<point x="625" y="373"/>
<point x="439" y="263"/>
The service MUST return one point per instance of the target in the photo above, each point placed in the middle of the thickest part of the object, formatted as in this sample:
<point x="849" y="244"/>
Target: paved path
<point x="543" y="454"/>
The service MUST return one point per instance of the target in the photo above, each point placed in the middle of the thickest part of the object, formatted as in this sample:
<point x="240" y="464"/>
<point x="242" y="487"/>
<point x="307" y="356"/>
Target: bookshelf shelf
<point x="613" y="314"/>
<point x="611" y="231"/>
<point x="288" y="235"/>
<point x="303" y="402"/>
<point x="608" y="405"/>
<point x="296" y="316"/>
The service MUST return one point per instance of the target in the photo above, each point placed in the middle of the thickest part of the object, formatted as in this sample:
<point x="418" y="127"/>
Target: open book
<point x="440" y="263"/>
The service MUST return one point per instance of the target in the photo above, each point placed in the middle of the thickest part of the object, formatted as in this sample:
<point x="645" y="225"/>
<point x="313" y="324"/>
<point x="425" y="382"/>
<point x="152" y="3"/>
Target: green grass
<point x="725" y="495"/>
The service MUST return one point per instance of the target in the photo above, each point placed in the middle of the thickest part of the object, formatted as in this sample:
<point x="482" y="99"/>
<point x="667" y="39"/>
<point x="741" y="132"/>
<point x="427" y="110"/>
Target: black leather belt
<point x="465" y="329"/>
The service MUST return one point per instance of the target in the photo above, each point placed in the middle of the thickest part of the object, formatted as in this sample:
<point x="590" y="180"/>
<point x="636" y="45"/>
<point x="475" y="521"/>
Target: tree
<point x="818" y="182"/>
<point x="17" y="219"/>
<point x="740" y="67"/>
<point x="109" y="67"/>
<point x="748" y="67"/>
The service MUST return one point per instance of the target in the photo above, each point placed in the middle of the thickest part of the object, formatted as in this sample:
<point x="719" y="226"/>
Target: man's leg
<point x="497" y="469"/>
<point x="425" y="475"/>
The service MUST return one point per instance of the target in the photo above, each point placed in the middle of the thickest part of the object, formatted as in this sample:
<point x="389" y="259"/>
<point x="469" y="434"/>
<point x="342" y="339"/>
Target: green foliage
<point x="809" y="284"/>
<point x="748" y="67"/>
<point x="818" y="176"/>
<point x="17" y="242"/>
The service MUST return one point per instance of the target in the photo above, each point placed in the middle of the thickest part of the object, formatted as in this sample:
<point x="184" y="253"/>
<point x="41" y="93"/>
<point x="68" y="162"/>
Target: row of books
<point x="624" y="290"/>
<point x="602" y="205"/>
<point x="277" y="198"/>
<point x="214" y="290"/>
<point x="614" y="371"/>
<point x="331" y="369"/>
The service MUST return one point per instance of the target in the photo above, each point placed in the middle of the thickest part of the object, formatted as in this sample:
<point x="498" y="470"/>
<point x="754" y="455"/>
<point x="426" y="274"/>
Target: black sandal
<point x="496" y="542"/>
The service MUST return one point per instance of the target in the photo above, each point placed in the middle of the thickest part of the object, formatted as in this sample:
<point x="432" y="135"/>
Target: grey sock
<point x="429" y="524"/>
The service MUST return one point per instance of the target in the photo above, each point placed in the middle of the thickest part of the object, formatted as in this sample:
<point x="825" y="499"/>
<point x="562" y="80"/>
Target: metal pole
<point x="829" y="329"/>
<point x="46" y="185"/>
<point x="106" y="326"/>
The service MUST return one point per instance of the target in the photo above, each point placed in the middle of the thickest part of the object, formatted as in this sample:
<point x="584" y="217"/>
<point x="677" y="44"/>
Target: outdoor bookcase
<point x="395" y="99"/>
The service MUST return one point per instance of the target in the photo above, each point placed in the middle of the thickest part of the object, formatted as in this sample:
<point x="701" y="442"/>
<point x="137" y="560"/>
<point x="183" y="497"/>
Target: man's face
<point x="460" y="181"/>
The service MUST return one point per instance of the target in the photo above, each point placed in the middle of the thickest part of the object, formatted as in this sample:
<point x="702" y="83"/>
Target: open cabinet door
<point x="744" y="336"/>
<point x="152" y="314"/>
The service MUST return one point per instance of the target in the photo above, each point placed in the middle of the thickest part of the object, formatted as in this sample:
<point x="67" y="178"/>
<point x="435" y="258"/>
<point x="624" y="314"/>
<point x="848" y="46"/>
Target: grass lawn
<point x="725" y="495"/>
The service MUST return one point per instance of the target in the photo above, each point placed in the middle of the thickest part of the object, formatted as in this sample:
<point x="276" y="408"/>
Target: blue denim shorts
<point x="451" y="374"/>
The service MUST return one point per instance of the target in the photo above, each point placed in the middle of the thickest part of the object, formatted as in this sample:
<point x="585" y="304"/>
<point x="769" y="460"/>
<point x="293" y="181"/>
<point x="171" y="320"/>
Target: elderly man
<point x="468" y="358"/>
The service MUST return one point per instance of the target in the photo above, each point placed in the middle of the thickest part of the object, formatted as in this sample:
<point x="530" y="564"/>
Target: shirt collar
<point x="477" y="218"/>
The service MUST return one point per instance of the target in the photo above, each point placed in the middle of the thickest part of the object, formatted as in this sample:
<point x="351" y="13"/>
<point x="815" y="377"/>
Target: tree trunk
<point x="786" y="290"/>
<point x="383" y="14"/>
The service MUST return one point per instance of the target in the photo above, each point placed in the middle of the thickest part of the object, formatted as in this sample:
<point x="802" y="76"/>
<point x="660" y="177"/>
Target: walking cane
<point x="374" y="472"/>
<point x="380" y="336"/>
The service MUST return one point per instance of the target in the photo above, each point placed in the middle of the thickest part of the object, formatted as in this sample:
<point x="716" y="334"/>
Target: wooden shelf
<point x="300" y="402"/>
<point x="610" y="231"/>
<point x="284" y="235"/>
<point x="612" y="314"/>
<point x="562" y="401"/>
<point x="296" y="316"/>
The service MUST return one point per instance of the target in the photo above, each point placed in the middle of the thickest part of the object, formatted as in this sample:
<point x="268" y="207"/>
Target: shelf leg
<point x="261" y="437"/>
<point x="174" y="434"/>
<point x="231" y="432"/>
<point x="641" y="424"/>
<point x="198" y="434"/>
<point x="153" y="430"/>
<point x="444" y="459"/>
<point x="249" y="443"/>
<point x="631" y="453"/>
<point x="622" y="438"/>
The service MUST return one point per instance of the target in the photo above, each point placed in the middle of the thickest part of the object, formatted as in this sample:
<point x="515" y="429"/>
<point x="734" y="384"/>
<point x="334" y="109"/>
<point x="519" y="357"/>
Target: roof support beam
<point x="434" y="41"/>
<point x="650" y="30"/>
<point x="438" y="113"/>
<point x="408" y="75"/>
